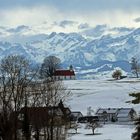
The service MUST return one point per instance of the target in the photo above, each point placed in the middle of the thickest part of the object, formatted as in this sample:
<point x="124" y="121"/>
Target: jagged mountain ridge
<point x="72" y="48"/>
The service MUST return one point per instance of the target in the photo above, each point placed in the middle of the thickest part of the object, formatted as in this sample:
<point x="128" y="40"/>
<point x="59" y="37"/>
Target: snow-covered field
<point x="107" y="132"/>
<point x="107" y="94"/>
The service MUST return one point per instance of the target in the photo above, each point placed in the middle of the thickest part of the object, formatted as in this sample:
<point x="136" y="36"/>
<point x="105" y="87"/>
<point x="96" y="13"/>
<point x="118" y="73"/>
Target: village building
<point x="107" y="114"/>
<point x="126" y="114"/>
<point x="64" y="74"/>
<point x="42" y="116"/>
<point x="50" y="117"/>
<point x="116" y="114"/>
<point x="74" y="116"/>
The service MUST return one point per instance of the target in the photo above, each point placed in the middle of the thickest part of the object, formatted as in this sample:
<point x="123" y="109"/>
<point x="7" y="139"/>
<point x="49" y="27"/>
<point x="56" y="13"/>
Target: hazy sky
<point x="67" y="15"/>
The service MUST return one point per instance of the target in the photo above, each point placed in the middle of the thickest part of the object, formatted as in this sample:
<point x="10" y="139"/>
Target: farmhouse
<point x="126" y="114"/>
<point x="53" y="118"/>
<point x="116" y="114"/>
<point x="107" y="114"/>
<point x="75" y="115"/>
<point x="64" y="74"/>
<point x="42" y="116"/>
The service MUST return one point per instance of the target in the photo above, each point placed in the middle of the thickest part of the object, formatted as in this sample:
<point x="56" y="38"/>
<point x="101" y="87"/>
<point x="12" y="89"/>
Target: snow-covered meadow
<point x="106" y="94"/>
<point x="107" y="132"/>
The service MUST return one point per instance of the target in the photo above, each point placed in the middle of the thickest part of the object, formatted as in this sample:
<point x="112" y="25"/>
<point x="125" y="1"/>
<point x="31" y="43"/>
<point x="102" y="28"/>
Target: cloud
<point x="83" y="26"/>
<point x="2" y="27"/>
<point x="66" y="15"/>
<point x="75" y="6"/>
<point x="28" y="16"/>
<point x="1" y="33"/>
<point x="18" y="29"/>
<point x="65" y="23"/>
<point x="137" y="19"/>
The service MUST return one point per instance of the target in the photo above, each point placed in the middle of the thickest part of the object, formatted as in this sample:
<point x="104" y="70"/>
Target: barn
<point x="126" y="114"/>
<point x="116" y="114"/>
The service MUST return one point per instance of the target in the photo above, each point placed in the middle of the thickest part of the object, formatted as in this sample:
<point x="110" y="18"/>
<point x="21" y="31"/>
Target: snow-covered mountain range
<point x="89" y="54"/>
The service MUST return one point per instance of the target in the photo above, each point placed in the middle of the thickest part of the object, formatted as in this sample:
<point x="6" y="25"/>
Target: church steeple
<point x="71" y="68"/>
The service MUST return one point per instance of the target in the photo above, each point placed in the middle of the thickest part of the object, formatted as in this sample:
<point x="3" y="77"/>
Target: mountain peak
<point x="73" y="48"/>
<point x="52" y="34"/>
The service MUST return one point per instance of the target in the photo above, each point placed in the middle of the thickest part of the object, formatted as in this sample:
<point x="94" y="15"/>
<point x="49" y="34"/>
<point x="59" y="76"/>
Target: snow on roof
<point x="76" y="113"/>
<point x="122" y="115"/>
<point x="114" y="110"/>
<point x="124" y="112"/>
<point x="107" y="110"/>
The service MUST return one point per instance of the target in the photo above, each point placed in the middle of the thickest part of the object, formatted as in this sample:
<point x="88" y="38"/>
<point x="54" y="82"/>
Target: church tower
<point x="71" y="68"/>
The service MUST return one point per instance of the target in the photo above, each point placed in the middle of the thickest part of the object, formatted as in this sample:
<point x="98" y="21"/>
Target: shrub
<point x="116" y="74"/>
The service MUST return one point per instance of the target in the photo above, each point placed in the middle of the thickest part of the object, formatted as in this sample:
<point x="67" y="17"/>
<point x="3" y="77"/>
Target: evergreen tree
<point x="136" y="135"/>
<point x="136" y="96"/>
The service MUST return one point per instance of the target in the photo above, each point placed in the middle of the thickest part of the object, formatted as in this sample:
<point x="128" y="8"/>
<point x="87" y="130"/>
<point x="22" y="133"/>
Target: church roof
<point x="64" y="73"/>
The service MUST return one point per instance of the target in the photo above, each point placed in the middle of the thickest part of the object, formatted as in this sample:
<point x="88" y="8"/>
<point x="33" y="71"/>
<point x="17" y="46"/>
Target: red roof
<point x="64" y="73"/>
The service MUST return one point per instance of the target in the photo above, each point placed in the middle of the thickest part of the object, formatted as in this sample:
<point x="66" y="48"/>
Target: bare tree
<point x="93" y="125"/>
<point x="48" y="67"/>
<point x="47" y="93"/>
<point x="52" y="93"/>
<point x="20" y="88"/>
<point x="75" y="126"/>
<point x="16" y="75"/>
<point x="57" y="92"/>
<point x="135" y="67"/>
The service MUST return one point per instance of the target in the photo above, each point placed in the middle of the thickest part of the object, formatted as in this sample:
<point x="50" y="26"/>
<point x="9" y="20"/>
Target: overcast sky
<point x="67" y="15"/>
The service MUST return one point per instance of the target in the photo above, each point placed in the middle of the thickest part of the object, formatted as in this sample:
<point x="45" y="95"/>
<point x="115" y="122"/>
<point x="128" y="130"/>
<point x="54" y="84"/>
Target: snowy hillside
<point x="103" y="94"/>
<point x="104" y="53"/>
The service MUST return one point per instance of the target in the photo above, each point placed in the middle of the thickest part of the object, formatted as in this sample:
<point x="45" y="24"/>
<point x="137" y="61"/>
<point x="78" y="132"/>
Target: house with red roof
<point x="64" y="74"/>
